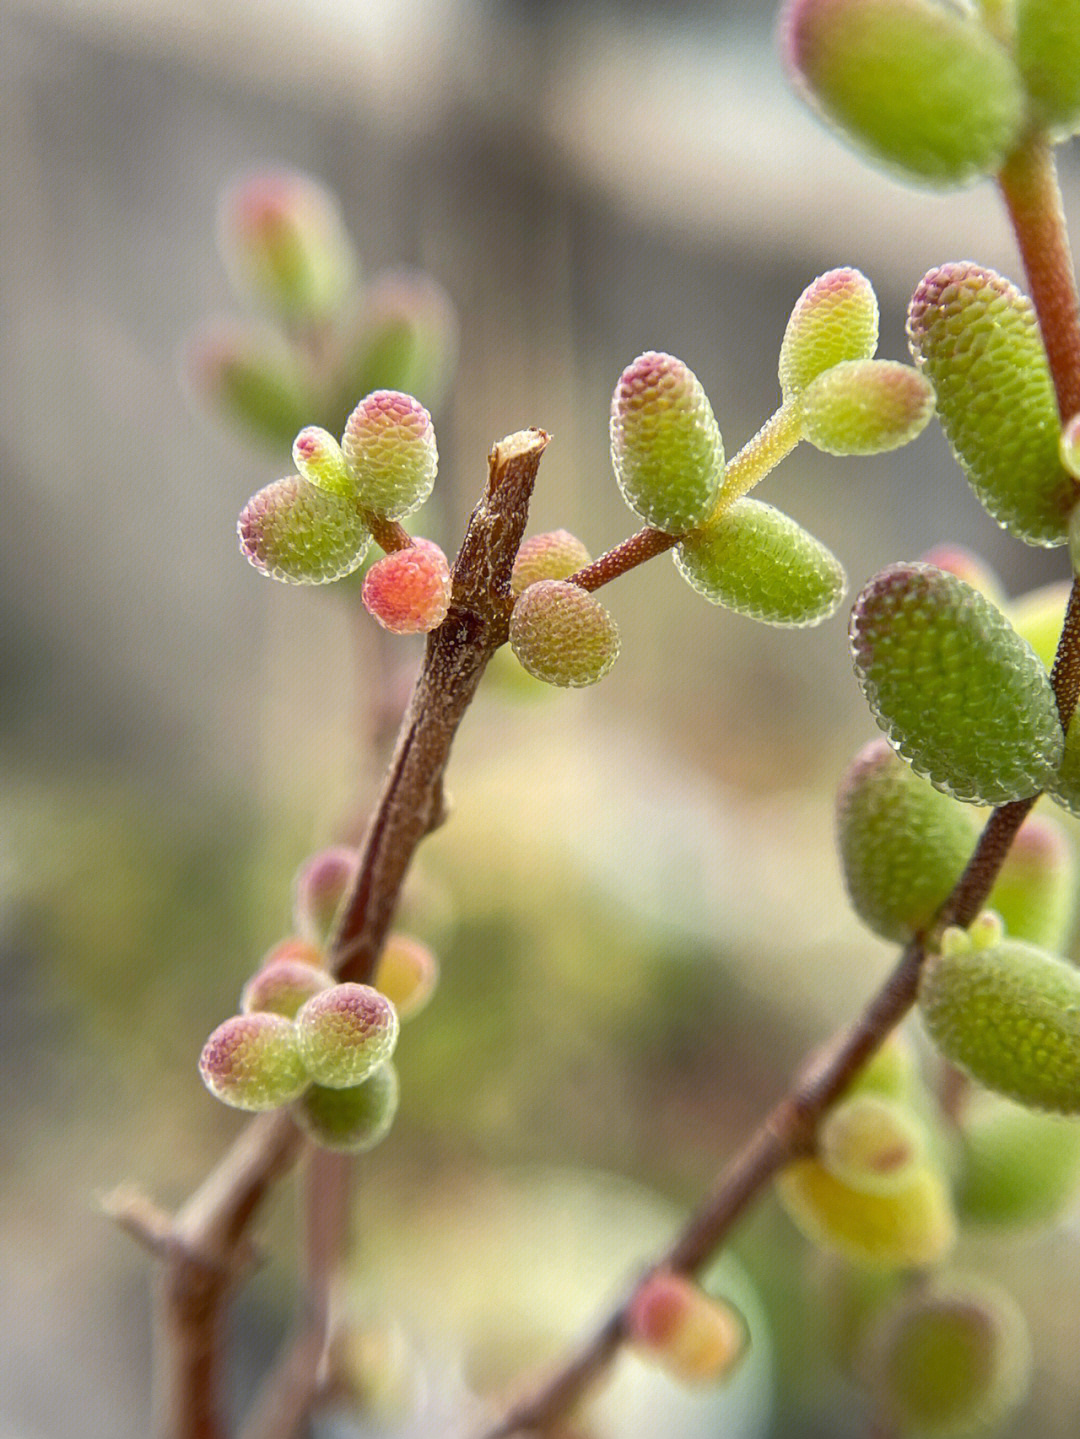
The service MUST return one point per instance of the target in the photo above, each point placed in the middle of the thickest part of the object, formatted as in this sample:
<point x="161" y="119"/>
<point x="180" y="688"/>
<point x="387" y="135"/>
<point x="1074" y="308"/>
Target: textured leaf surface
<point x="562" y="635"/>
<point x="959" y="694"/>
<point x="666" y="448"/>
<point x="903" y="844"/>
<point x="834" y="319"/>
<point x="756" y="560"/>
<point x="292" y="531"/>
<point x="354" y="1120"/>
<point x="975" y="336"/>
<point x="866" y="407"/>
<point x="1010" y="1016"/>
<point x="389" y="445"/>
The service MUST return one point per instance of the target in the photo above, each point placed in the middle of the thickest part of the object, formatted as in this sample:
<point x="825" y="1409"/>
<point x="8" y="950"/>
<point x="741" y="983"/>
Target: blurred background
<point x="636" y="902"/>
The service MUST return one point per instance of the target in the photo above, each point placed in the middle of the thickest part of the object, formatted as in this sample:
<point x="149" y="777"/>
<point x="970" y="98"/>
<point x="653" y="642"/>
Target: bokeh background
<point x="636" y="902"/>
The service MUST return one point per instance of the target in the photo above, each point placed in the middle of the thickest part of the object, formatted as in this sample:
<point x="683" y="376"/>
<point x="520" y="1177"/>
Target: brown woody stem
<point x="206" y="1247"/>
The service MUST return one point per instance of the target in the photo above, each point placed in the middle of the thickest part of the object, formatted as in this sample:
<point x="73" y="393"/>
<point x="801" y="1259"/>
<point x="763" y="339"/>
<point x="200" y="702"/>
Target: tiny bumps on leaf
<point x="408" y="591"/>
<point x="1009" y="1015"/>
<point x="345" y="1033"/>
<point x="320" y="886"/>
<point x="252" y="1061"/>
<point x="976" y="338"/>
<point x="562" y="635"/>
<point x="555" y="555"/>
<point x="292" y="531"/>
<point x="958" y="693"/>
<point x="282" y="987"/>
<point x="834" y="319"/>
<point x="666" y="448"/>
<point x="903" y="844"/>
<point x="866" y="407"/>
<point x="759" y="562"/>
<point x="389" y="446"/>
<point x="352" y="1120"/>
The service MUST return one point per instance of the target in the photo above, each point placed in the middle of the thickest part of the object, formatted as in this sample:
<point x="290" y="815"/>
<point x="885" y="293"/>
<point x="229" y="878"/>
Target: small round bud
<point x="866" y="407"/>
<point x="958" y="693"/>
<point x="320" y="886"/>
<point x="948" y="1360"/>
<point x="284" y="244"/>
<point x="389" y="444"/>
<point x="920" y="87"/>
<point x="345" y="1033"/>
<point x="293" y="948"/>
<point x="903" y="844"/>
<point x="408" y="591"/>
<point x="665" y="444"/>
<point x="252" y="1061"/>
<point x="834" y="319"/>
<point x="976" y="338"/>
<point x="406" y="339"/>
<point x="282" y="987"/>
<point x="757" y="561"/>
<point x="249" y="377"/>
<point x="318" y="457"/>
<point x="1035" y="891"/>
<point x="407" y="974"/>
<point x="351" y="1120"/>
<point x="911" y="1227"/>
<point x="292" y="531"/>
<point x="562" y="635"/>
<point x="553" y="556"/>
<point x="1018" y="1168"/>
<point x="673" y="1322"/>
<point x="871" y="1144"/>
<point x="1039" y="616"/>
<point x="1069" y="447"/>
<point x="1009" y="1015"/>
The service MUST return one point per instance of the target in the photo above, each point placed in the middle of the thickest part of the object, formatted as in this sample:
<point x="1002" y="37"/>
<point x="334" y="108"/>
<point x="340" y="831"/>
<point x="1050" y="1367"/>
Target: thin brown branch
<point x="623" y="557"/>
<point x="787" y="1133"/>
<point x="388" y="534"/>
<point x="1029" y="187"/>
<point x="206" y="1247"/>
<point x="137" y="1215"/>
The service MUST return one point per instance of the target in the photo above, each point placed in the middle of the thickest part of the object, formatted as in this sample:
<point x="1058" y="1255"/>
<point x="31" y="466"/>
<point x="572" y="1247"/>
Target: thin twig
<point x="207" y="1243"/>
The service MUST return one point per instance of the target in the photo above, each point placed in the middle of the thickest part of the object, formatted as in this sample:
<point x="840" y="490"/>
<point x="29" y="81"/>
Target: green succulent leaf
<point x="1008" y="1014"/>
<point x="948" y="1359"/>
<point x="912" y="1226"/>
<point x="1048" y="54"/>
<point x="921" y="87"/>
<point x="834" y="319"/>
<point x="903" y="843"/>
<point x="389" y="447"/>
<point x="959" y="694"/>
<point x="976" y="338"/>
<point x="666" y="447"/>
<point x="866" y="407"/>
<point x="353" y="1120"/>
<point x="562" y="635"/>
<point x="756" y="560"/>
<point x="292" y="531"/>
<point x="1018" y="1168"/>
